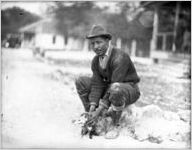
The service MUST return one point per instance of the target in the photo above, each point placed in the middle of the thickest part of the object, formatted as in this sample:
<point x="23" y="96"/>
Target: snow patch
<point x="153" y="124"/>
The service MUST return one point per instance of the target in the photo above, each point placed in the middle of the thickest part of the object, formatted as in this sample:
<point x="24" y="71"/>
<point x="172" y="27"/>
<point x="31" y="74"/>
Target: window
<point x="54" y="39"/>
<point x="159" y="42"/>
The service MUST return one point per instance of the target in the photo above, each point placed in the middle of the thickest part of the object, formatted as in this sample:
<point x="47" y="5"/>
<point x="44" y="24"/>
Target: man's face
<point x="99" y="45"/>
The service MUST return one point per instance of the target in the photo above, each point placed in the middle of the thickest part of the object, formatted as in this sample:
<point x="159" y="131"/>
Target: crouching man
<point x="114" y="80"/>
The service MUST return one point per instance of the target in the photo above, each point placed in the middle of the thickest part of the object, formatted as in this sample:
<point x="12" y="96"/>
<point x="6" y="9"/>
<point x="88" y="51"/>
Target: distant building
<point x="43" y="36"/>
<point x="170" y="23"/>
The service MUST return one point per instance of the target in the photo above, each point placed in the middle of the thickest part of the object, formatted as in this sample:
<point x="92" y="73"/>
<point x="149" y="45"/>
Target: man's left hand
<point x="93" y="115"/>
<point x="92" y="108"/>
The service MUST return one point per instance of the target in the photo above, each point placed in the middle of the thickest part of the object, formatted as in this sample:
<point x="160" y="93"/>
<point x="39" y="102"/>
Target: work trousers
<point x="126" y="91"/>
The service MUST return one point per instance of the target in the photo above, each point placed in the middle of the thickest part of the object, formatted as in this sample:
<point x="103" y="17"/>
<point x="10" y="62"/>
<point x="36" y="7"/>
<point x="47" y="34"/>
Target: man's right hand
<point x="92" y="108"/>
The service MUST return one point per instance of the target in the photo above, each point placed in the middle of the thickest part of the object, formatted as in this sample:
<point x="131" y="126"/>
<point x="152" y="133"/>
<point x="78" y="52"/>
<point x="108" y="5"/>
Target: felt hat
<point x="98" y="31"/>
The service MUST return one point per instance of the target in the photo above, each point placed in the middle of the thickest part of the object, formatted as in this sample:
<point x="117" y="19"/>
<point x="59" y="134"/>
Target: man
<point x="114" y="80"/>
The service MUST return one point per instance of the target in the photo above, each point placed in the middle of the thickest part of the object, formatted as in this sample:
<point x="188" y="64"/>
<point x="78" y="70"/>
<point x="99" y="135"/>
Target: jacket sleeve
<point x="97" y="85"/>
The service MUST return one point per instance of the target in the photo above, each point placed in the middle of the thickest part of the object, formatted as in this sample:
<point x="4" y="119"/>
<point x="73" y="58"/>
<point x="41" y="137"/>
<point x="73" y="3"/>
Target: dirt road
<point x="38" y="110"/>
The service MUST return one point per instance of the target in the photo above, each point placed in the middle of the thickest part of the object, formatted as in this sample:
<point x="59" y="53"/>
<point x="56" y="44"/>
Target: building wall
<point x="76" y="44"/>
<point x="28" y="40"/>
<point x="49" y="41"/>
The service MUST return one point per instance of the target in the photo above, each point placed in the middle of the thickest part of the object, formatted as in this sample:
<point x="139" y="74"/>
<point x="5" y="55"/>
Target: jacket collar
<point x="108" y="53"/>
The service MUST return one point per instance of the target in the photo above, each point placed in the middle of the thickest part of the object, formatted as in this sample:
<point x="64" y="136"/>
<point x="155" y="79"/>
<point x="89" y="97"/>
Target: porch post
<point x="175" y="25"/>
<point x="133" y="48"/>
<point x="155" y="31"/>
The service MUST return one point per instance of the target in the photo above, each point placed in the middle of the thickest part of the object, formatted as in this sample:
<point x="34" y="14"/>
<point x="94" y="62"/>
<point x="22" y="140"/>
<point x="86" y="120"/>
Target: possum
<point x="89" y="127"/>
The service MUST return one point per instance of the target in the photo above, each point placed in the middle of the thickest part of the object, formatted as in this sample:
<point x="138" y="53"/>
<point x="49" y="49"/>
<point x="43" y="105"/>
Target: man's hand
<point x="94" y="114"/>
<point x="92" y="108"/>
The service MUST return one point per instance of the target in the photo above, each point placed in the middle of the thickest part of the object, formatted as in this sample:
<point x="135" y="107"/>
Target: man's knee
<point x="78" y="81"/>
<point x="115" y="87"/>
<point x="120" y="95"/>
<point x="116" y="96"/>
<point x="82" y="84"/>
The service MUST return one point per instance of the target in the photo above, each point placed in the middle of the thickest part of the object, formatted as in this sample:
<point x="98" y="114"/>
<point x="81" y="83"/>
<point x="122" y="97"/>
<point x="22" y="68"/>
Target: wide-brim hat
<point x="98" y="31"/>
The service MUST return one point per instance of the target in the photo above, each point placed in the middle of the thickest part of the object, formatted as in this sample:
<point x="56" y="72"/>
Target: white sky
<point x="34" y="7"/>
<point x="40" y="7"/>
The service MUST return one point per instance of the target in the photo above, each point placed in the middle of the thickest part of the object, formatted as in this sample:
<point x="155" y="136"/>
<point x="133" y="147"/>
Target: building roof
<point x="46" y="25"/>
<point x="165" y="4"/>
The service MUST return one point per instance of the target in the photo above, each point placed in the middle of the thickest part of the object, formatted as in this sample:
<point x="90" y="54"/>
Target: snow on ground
<point x="40" y="101"/>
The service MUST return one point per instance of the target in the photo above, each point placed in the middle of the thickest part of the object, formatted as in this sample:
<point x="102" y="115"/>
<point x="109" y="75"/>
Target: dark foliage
<point x="14" y="18"/>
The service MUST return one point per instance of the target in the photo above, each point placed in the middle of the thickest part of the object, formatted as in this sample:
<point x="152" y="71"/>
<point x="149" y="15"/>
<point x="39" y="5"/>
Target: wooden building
<point x="171" y="29"/>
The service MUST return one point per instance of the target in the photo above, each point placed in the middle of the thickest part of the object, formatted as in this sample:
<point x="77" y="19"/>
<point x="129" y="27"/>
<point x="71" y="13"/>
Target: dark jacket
<point x="119" y="69"/>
